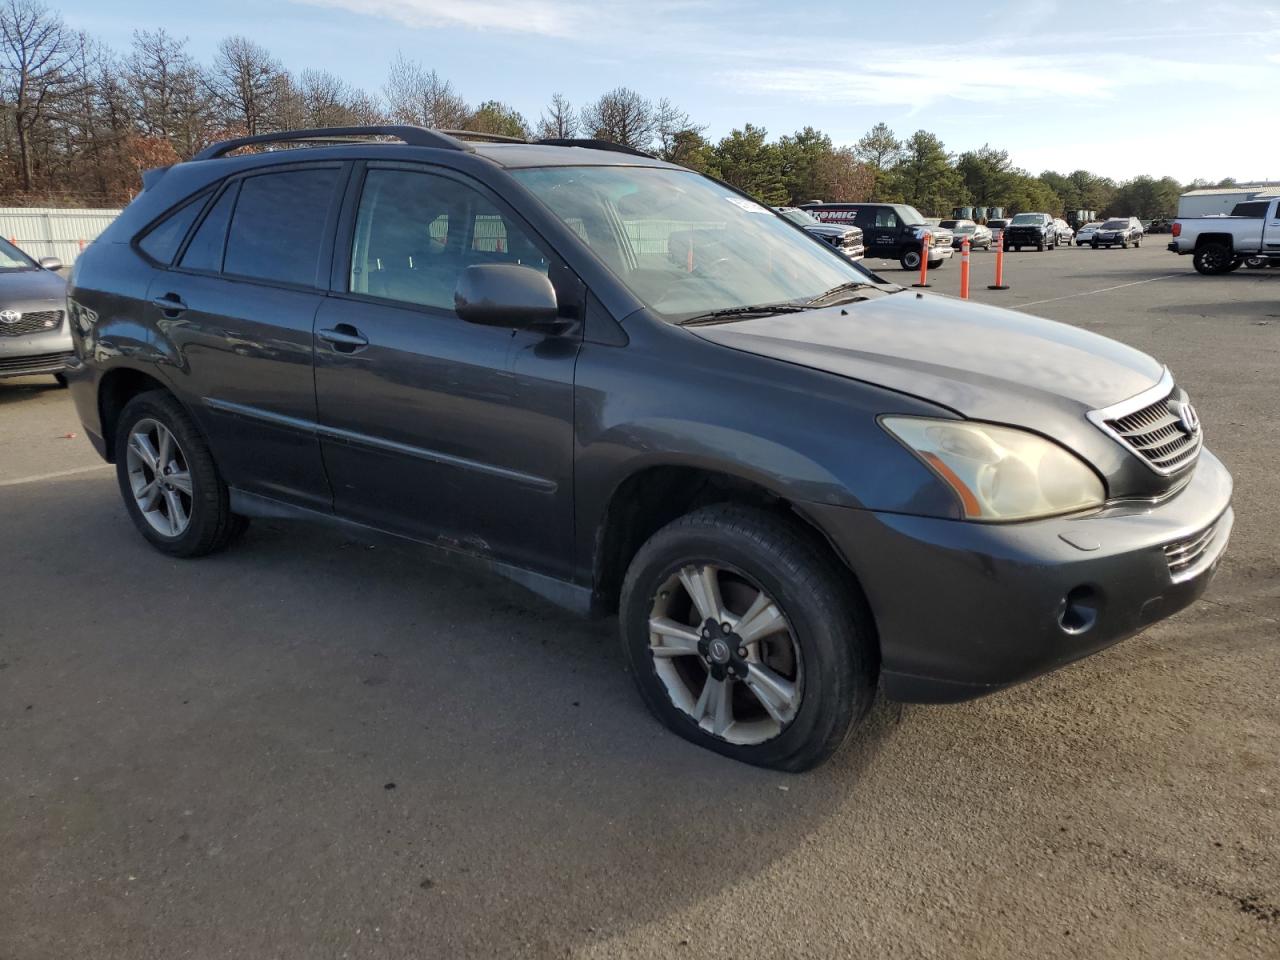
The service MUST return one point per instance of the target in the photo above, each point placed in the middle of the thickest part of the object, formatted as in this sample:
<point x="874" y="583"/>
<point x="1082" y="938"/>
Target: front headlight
<point x="1000" y="473"/>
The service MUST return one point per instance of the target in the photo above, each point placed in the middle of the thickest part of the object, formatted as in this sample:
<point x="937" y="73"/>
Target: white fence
<point x="53" y="231"/>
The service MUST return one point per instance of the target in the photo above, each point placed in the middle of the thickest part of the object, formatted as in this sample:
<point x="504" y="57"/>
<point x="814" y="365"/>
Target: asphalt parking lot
<point x="315" y="747"/>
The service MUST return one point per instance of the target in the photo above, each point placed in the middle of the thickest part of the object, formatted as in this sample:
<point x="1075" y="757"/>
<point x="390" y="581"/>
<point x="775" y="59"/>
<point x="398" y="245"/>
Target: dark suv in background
<point x="629" y="387"/>
<point x="1031" y="230"/>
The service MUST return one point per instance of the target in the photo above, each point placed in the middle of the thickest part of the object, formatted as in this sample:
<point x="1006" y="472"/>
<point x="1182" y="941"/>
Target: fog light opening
<point x="1079" y="610"/>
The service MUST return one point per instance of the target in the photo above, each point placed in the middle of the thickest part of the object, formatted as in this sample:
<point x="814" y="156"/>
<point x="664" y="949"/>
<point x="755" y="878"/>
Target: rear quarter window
<point x="161" y="242"/>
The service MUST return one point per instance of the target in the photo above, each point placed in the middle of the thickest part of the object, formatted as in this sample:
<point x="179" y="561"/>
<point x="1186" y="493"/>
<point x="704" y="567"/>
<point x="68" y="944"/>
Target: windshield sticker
<point x="747" y="205"/>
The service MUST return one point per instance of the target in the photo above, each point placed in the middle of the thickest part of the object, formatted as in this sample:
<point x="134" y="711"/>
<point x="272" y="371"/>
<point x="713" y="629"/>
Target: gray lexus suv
<point x="632" y="388"/>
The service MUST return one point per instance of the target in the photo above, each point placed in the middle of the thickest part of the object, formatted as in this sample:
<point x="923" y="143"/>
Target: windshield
<point x="686" y="245"/>
<point x="11" y="258"/>
<point x="1115" y="224"/>
<point x="799" y="216"/>
<point x="910" y="215"/>
<point x="1023" y="218"/>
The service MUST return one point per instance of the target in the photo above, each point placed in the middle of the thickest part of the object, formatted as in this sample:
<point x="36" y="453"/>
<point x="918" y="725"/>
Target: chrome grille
<point x="38" y="321"/>
<point x="1184" y="556"/>
<point x="1154" y="426"/>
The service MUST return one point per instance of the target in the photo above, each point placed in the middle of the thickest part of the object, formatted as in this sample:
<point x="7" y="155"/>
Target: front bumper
<point x="853" y="251"/>
<point x="940" y="252"/>
<point x="37" y="353"/>
<point x="1025" y="239"/>
<point x="964" y="609"/>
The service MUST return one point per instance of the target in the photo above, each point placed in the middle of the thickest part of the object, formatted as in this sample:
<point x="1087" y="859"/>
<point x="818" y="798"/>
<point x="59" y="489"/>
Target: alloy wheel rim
<point x="159" y="477"/>
<point x="725" y="653"/>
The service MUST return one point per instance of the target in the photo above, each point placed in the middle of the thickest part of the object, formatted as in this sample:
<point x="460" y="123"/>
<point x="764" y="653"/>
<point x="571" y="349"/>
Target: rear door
<point x="1271" y="230"/>
<point x="238" y="308"/>
<point x="447" y="431"/>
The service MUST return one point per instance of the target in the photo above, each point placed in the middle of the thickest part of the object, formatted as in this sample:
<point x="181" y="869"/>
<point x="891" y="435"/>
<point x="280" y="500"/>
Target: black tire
<point x="1124" y="244"/>
<point x="212" y="525"/>
<point x="1137" y="242"/>
<point x="1236" y="264"/>
<point x="1255" y="263"/>
<point x="1018" y="249"/>
<point x="1040" y="246"/>
<point x="829" y="625"/>
<point x="910" y="260"/>
<point x="936" y="264"/>
<point x="1211" y="259"/>
<point x="61" y="378"/>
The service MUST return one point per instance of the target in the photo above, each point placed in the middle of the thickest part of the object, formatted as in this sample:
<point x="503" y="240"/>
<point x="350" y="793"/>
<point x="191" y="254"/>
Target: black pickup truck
<point x="889" y="230"/>
<point x="1031" y="230"/>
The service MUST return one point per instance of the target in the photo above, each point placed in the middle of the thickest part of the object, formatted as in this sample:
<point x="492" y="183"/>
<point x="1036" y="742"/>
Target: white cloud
<point x="917" y="82"/>
<point x="545" y="17"/>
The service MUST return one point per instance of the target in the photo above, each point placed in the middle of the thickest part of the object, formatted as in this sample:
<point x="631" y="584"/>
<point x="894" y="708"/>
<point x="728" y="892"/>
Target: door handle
<point x="344" y="338"/>
<point x="171" y="304"/>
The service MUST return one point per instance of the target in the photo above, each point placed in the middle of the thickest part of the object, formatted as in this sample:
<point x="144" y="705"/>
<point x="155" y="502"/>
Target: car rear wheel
<point x="910" y="260"/>
<point x="171" y="486"/>
<point x="61" y="378"/>
<point x="1213" y="258"/>
<point x="743" y="637"/>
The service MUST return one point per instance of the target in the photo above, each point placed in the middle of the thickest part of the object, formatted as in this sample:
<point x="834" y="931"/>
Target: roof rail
<point x="487" y="137"/>
<point x="413" y="136"/>
<point x="593" y="144"/>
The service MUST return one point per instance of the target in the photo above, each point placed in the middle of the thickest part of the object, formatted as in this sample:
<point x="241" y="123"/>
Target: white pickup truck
<point x="1251" y="234"/>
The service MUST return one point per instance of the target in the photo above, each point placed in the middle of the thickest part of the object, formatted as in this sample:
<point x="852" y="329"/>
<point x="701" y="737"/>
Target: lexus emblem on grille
<point x="10" y="316"/>
<point x="1188" y="419"/>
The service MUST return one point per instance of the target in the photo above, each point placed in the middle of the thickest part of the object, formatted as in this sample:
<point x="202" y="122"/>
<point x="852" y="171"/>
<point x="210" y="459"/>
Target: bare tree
<point x="669" y="120"/>
<point x="328" y="101"/>
<point x="559" y="121"/>
<point x="421" y="96"/>
<point x="169" y="96"/>
<point x="245" y="83"/>
<point x="621" y="116"/>
<point x="37" y="60"/>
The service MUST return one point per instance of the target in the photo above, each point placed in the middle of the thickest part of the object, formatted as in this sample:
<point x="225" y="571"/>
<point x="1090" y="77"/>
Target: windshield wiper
<point x="832" y="296"/>
<point x="742" y="313"/>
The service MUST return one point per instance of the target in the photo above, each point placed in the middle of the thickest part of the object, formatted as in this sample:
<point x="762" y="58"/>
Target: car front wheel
<point x="910" y="260"/>
<point x="743" y="637"/>
<point x="170" y="484"/>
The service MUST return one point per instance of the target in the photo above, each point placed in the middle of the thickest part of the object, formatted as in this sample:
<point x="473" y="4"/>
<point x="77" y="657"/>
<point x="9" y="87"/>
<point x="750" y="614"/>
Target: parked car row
<point x="843" y="236"/>
<point x="893" y="231"/>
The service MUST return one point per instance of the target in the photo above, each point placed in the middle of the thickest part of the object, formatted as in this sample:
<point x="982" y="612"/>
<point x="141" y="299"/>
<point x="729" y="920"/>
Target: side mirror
<point x="505" y="295"/>
<point x="51" y="263"/>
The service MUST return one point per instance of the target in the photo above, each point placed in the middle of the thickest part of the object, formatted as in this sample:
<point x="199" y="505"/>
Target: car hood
<point x="982" y="362"/>
<point x="28" y="285"/>
<point x="832" y="230"/>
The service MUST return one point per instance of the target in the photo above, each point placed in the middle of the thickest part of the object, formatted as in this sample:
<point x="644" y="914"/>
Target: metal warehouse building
<point x="1207" y="202"/>
<point x="53" y="231"/>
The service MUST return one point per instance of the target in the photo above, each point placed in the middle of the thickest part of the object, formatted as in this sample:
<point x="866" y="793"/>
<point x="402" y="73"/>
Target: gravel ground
<point x="313" y="747"/>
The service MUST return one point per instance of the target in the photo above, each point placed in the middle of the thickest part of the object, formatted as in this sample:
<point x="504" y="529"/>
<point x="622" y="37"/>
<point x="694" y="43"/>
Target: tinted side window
<point x="161" y="242"/>
<point x="204" y="252"/>
<point x="1253" y="208"/>
<point x="885" y="217"/>
<point x="278" y="226"/>
<point x="416" y="232"/>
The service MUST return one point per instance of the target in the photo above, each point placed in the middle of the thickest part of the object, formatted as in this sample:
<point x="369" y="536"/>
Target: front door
<point x="447" y="431"/>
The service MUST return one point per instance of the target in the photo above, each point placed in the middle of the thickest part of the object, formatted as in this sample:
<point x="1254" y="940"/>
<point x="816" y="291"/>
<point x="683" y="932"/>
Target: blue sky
<point x="1166" y="87"/>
